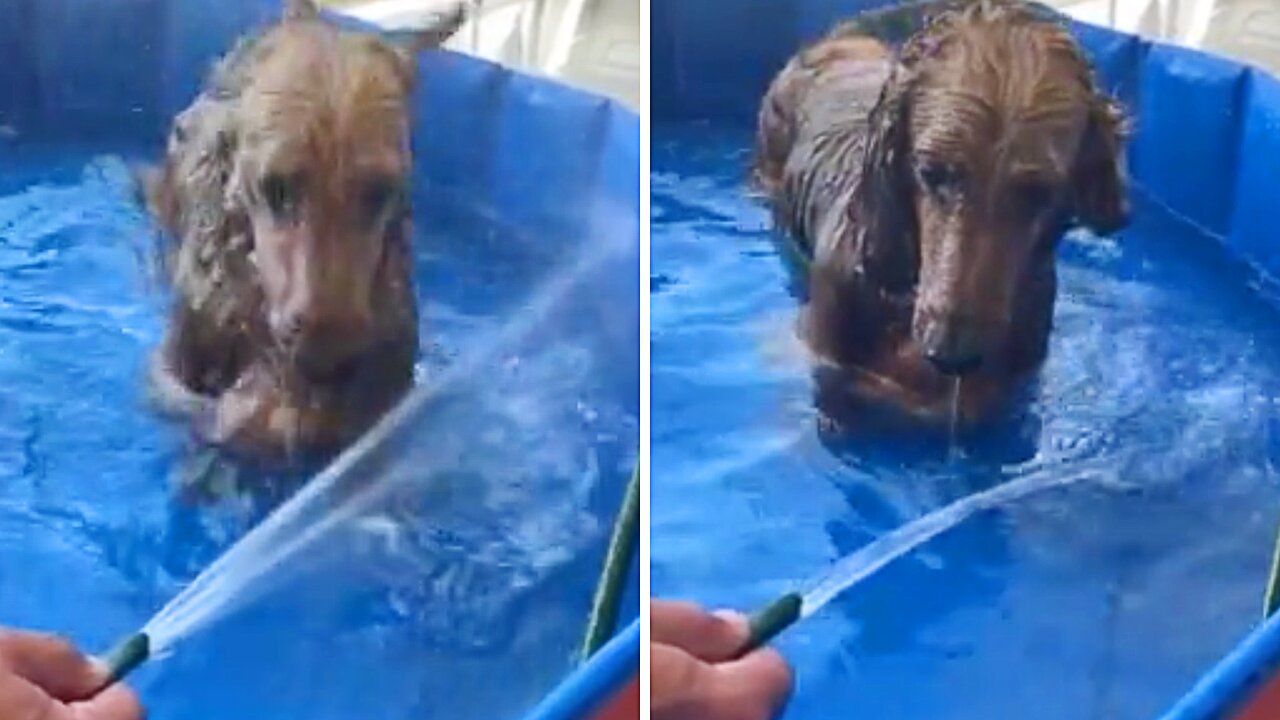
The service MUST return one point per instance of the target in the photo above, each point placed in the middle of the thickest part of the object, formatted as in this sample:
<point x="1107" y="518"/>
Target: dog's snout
<point x="293" y="325"/>
<point x="326" y="363"/>
<point x="952" y="346"/>
<point x="323" y="348"/>
<point x="290" y="327"/>
<point x="954" y="363"/>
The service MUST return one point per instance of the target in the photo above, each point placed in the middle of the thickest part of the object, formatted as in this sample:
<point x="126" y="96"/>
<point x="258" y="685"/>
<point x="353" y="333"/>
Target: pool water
<point x="1105" y="599"/>
<point x="466" y="601"/>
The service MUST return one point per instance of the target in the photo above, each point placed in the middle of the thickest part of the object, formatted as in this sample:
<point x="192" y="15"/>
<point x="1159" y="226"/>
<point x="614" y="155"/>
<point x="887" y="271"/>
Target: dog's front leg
<point x="253" y="416"/>
<point x="260" y="418"/>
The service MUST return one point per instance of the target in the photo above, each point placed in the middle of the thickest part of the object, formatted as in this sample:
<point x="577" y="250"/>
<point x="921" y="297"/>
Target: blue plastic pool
<point x="483" y="615"/>
<point x="1107" y="599"/>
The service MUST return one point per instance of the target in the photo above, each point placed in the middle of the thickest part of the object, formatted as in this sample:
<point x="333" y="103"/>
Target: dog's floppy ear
<point x="301" y="10"/>
<point x="1099" y="183"/>
<point x="884" y="203"/>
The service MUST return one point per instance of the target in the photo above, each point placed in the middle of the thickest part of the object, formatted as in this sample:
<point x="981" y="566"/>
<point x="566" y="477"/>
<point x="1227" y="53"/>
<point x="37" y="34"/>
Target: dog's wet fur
<point x="283" y="202"/>
<point x="930" y="187"/>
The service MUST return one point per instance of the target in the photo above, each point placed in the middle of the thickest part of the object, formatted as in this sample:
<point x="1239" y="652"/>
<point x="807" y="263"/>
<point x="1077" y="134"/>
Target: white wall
<point x="1246" y="30"/>
<point x="594" y="44"/>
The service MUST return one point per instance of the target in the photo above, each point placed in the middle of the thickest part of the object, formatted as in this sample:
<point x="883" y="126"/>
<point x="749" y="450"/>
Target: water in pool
<point x="1104" y="598"/>
<point x="479" y="567"/>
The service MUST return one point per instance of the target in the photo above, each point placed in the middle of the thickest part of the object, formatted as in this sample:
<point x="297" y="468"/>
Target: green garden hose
<point x="124" y="658"/>
<point x="613" y="578"/>
<point x="1272" y="601"/>
<point x="766" y="623"/>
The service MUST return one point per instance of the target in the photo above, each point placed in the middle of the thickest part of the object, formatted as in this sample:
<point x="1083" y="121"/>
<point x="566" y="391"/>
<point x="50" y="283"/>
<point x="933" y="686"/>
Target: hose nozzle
<point x="125" y="657"/>
<point x="767" y="622"/>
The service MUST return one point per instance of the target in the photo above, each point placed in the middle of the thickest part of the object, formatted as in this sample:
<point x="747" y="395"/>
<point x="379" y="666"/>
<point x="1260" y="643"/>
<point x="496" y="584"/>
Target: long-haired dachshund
<point x="930" y="190"/>
<point x="284" y="198"/>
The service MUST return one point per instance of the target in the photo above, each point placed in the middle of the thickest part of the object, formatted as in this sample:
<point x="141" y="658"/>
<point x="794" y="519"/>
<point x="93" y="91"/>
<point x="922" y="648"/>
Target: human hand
<point x="691" y="676"/>
<point x="45" y="678"/>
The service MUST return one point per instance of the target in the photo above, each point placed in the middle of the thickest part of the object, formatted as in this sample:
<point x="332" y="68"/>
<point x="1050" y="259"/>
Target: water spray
<point x="281" y="535"/>
<point x="769" y="621"/>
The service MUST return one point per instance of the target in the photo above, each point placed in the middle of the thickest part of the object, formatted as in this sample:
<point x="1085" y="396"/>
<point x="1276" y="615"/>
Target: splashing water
<point x="867" y="560"/>
<point x="368" y="488"/>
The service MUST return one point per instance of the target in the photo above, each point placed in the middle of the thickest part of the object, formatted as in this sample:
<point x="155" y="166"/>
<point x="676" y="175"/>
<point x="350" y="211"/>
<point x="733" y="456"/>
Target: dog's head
<point x="988" y="141"/>
<point x="320" y="177"/>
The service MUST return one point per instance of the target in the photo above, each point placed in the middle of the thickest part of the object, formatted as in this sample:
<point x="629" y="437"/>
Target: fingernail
<point x="99" y="666"/>
<point x="733" y="617"/>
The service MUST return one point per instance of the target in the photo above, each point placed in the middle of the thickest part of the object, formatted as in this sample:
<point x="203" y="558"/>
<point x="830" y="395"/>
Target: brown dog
<point x="931" y="190"/>
<point x="284" y="192"/>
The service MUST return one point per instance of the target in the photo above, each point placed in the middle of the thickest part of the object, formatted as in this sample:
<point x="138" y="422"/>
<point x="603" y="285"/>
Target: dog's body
<point x="930" y="189"/>
<point x="283" y="196"/>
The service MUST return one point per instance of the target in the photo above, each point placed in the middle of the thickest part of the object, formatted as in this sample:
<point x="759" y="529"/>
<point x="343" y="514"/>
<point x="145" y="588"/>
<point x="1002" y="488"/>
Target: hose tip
<point x="772" y="619"/>
<point x="125" y="657"/>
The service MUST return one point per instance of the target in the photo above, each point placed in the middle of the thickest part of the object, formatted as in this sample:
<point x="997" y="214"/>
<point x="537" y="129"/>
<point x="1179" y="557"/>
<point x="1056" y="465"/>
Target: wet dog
<point x="930" y="190"/>
<point x="283" y="198"/>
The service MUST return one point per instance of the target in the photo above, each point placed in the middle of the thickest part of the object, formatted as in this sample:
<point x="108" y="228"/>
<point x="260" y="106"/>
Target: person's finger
<point x="709" y="636"/>
<point x="51" y="664"/>
<point x="683" y="688"/>
<point x="115" y="703"/>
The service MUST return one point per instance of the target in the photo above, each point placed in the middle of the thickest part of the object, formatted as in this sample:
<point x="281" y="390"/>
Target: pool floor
<point x="408" y="611"/>
<point x="1103" y="600"/>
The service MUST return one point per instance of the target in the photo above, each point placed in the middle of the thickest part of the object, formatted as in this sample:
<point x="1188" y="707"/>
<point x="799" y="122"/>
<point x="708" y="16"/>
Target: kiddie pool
<point x="479" y="609"/>
<point x="1117" y="597"/>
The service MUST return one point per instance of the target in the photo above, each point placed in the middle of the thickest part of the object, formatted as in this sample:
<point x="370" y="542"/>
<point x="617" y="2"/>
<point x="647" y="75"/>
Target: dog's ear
<point x="236" y="188"/>
<point x="301" y="10"/>
<point x="884" y="203"/>
<point x="434" y="32"/>
<point x="1099" y="182"/>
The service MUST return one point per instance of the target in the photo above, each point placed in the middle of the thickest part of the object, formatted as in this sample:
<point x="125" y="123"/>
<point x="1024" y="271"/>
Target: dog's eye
<point x="281" y="193"/>
<point x="381" y="198"/>
<point x="1035" y="197"/>
<point x="940" y="178"/>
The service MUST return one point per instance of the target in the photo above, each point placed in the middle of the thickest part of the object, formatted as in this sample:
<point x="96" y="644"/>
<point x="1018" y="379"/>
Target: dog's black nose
<point x="289" y="328"/>
<point x="952" y="363"/>
<point x="952" y="346"/>
<point x="321" y="366"/>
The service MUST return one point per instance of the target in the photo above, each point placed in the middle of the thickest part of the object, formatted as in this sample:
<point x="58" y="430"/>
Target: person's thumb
<point x="65" y="674"/>
<point x="707" y="636"/>
<point x="682" y="688"/>
<point x="115" y="703"/>
<point x="51" y="664"/>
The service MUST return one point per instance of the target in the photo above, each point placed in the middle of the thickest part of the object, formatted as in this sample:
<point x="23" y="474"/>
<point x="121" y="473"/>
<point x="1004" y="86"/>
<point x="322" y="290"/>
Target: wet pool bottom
<point x="1103" y="600"/>
<point x="389" y="620"/>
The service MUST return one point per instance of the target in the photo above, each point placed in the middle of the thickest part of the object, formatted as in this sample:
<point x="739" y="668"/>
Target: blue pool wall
<point x="553" y="161"/>
<point x="1205" y="147"/>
